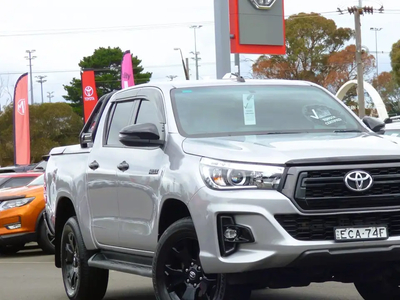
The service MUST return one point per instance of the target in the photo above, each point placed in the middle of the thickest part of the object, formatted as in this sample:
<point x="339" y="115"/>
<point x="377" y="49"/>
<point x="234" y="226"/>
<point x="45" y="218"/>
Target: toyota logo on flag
<point x="88" y="91"/>
<point x="263" y="4"/>
<point x="21" y="107"/>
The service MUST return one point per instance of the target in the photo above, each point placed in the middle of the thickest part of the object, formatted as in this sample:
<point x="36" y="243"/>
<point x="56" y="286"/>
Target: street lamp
<point x="41" y="81"/>
<point x="30" y="57"/>
<point x="376" y="48"/>
<point x="196" y="58"/>
<point x="185" y="68"/>
<point x="50" y="95"/>
<point x="171" y="77"/>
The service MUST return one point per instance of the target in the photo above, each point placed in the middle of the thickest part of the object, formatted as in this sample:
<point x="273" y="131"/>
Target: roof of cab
<point x="168" y="85"/>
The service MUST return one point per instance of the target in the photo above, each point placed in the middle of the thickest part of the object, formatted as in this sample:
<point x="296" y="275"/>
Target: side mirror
<point x="86" y="138"/>
<point x="375" y="124"/>
<point x="140" y="135"/>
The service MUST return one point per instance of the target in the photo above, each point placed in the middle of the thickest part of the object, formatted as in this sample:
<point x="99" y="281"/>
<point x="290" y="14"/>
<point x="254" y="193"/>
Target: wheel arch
<point x="172" y="210"/>
<point x="65" y="209"/>
<point x="39" y="220"/>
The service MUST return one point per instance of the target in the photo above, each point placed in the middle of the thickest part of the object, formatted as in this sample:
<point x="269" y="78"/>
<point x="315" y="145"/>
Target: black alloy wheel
<point x="81" y="281"/>
<point x="177" y="270"/>
<point x="71" y="264"/>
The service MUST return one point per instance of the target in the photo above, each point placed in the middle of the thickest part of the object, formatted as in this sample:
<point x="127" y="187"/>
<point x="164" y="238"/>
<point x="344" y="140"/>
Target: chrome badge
<point x="263" y="4"/>
<point x="358" y="181"/>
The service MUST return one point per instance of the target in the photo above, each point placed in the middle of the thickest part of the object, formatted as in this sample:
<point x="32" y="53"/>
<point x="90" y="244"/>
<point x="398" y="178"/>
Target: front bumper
<point x="17" y="239"/>
<point x="19" y="225"/>
<point x="274" y="247"/>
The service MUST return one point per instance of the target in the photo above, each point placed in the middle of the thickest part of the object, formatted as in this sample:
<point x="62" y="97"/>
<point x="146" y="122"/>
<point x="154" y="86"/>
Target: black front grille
<point x="325" y="189"/>
<point x="321" y="228"/>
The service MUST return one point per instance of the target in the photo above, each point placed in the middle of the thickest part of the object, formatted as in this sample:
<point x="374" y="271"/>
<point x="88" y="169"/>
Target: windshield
<point x="38" y="181"/>
<point x="250" y="109"/>
<point x="392" y="132"/>
<point x="41" y="166"/>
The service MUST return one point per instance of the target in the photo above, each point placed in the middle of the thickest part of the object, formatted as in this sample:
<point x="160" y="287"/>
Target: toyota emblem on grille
<point x="359" y="181"/>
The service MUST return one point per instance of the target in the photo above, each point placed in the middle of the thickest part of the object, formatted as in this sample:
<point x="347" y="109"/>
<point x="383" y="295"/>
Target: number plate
<point x="348" y="234"/>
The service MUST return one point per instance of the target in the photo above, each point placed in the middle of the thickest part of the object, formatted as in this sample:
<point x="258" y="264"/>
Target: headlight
<point x="15" y="203"/>
<point x="222" y="175"/>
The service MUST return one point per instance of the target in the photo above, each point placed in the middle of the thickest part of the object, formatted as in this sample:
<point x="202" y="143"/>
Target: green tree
<point x="51" y="125"/>
<point x="389" y="89"/>
<point x="107" y="65"/>
<point x="395" y="60"/>
<point x="311" y="40"/>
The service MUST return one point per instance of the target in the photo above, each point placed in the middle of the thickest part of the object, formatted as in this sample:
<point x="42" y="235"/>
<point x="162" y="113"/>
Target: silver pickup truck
<point x="217" y="188"/>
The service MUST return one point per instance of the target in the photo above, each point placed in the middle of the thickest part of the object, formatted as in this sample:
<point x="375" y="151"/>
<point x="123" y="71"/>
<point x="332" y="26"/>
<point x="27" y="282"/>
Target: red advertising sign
<point x="256" y="26"/>
<point x="22" y="143"/>
<point x="89" y="92"/>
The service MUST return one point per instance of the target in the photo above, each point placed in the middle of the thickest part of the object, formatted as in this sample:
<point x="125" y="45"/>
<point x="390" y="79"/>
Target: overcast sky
<point x="63" y="32"/>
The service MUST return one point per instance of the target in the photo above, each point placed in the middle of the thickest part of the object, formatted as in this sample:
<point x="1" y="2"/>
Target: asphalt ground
<point x="31" y="275"/>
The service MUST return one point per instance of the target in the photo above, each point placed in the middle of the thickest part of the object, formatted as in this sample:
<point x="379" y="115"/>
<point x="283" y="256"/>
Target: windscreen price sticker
<point x="249" y="109"/>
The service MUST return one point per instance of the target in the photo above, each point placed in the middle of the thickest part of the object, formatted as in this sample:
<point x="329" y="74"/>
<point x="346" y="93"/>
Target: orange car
<point x="21" y="218"/>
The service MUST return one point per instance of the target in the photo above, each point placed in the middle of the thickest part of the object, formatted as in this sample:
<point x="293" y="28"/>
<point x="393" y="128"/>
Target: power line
<point x="99" y="29"/>
<point x="100" y="70"/>
<point x="136" y="27"/>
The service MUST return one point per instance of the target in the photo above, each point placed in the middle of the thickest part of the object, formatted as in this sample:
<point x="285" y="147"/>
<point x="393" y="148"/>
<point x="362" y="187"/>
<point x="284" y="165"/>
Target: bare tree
<point x="5" y="91"/>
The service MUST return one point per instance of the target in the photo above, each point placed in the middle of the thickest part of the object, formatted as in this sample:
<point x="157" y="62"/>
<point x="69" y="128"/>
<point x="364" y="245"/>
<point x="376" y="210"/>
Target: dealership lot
<point x="32" y="275"/>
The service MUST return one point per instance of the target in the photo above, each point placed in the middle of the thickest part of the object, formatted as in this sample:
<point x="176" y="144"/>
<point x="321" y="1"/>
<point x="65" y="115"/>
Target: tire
<point x="10" y="249"/>
<point x="177" y="272"/>
<point x="378" y="290"/>
<point x="45" y="240"/>
<point x="81" y="282"/>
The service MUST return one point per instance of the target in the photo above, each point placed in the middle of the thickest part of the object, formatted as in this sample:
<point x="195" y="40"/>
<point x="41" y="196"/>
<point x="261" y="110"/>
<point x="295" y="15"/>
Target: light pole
<point x="185" y="68"/>
<point x="171" y="77"/>
<point x="50" y="95"/>
<point x="196" y="57"/>
<point x="41" y="81"/>
<point x="30" y="57"/>
<point x="376" y="48"/>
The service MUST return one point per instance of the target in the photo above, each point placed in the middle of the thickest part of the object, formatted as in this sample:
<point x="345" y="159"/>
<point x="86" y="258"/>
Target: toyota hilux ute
<point x="217" y="188"/>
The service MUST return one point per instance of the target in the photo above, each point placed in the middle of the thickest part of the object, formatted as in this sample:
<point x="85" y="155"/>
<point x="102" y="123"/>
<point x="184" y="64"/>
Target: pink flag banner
<point x="127" y="79"/>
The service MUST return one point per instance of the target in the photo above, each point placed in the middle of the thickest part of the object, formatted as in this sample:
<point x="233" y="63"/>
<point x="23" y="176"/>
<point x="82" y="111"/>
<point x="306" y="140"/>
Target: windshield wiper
<point x="347" y="130"/>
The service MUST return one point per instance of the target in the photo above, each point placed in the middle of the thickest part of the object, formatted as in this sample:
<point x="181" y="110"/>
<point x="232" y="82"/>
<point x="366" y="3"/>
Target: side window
<point x="148" y="113"/>
<point x="121" y="118"/>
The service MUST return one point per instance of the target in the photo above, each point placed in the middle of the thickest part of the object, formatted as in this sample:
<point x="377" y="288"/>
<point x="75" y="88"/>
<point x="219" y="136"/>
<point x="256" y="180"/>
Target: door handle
<point x="123" y="166"/>
<point x="94" y="165"/>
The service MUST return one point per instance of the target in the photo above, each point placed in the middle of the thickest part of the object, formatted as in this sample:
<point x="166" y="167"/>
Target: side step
<point x="138" y="265"/>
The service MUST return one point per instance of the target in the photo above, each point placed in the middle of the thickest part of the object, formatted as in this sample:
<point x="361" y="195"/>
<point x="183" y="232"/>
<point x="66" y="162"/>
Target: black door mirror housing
<point x="375" y="124"/>
<point x="140" y="135"/>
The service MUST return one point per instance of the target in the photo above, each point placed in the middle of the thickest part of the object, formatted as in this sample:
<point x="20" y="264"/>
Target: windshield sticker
<point x="322" y="114"/>
<point x="249" y="109"/>
<point x="186" y="91"/>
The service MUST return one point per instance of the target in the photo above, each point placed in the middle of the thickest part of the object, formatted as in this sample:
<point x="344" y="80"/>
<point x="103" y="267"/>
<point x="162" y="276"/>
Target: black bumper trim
<point x="19" y="238"/>
<point x="327" y="257"/>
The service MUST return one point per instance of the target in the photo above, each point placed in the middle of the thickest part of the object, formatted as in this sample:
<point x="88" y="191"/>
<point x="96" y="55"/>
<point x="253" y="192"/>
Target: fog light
<point x="230" y="234"/>
<point x="13" y="226"/>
